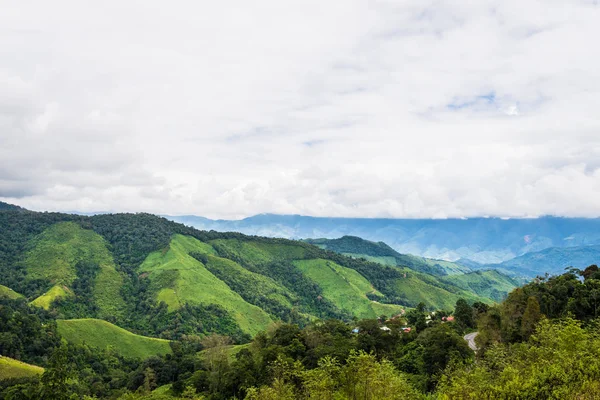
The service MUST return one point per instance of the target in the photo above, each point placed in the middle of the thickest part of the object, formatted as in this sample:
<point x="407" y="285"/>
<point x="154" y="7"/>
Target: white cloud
<point x="341" y="108"/>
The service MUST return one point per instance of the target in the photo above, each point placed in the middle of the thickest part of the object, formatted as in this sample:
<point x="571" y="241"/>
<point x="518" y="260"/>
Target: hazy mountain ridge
<point x="484" y="240"/>
<point x="553" y="261"/>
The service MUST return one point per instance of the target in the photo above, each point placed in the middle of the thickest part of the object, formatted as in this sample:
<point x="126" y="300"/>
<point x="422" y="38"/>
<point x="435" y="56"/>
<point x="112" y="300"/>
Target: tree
<point x="463" y="313"/>
<point x="54" y="379"/>
<point x="149" y="380"/>
<point x="440" y="345"/>
<point x="531" y="317"/>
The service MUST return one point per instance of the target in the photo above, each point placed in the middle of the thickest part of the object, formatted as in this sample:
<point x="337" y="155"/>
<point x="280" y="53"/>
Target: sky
<point x="412" y="109"/>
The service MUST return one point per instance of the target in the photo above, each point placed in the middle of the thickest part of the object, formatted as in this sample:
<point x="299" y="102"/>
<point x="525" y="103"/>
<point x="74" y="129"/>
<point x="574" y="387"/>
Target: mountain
<point x="484" y="240"/>
<point x="158" y="278"/>
<point x="553" y="261"/>
<point x="380" y="252"/>
<point x="491" y="284"/>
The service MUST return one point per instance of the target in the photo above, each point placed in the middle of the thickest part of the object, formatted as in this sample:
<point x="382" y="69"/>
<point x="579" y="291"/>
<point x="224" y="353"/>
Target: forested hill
<point x="126" y="306"/>
<point x="382" y="253"/>
<point x="163" y="279"/>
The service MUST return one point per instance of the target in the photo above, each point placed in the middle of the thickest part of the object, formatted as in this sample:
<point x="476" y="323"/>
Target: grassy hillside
<point x="254" y="251"/>
<point x="178" y="278"/>
<point x="492" y="284"/>
<point x="255" y="288"/>
<point x="418" y="287"/>
<point x="11" y="369"/>
<point x="346" y="288"/>
<point x="54" y="254"/>
<point x="102" y="334"/>
<point x="7" y="292"/>
<point x="55" y="293"/>
<point x="226" y="283"/>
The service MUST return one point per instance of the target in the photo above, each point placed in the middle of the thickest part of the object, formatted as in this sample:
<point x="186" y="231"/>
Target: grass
<point x="11" y="369"/>
<point x="255" y="251"/>
<point x="56" y="292"/>
<point x="179" y="278"/>
<point x="250" y="284"/>
<point x="6" y="292"/>
<point x="418" y="287"/>
<point x="491" y="284"/>
<point x="345" y="288"/>
<point x="102" y="334"/>
<point x="53" y="255"/>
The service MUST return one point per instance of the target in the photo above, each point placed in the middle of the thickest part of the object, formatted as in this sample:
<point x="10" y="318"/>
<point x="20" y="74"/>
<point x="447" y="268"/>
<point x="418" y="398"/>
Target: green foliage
<point x="463" y="313"/>
<point x="554" y="297"/>
<point x="559" y="362"/>
<point x="55" y="385"/>
<point x="184" y="279"/>
<point x="104" y="335"/>
<point x="255" y="288"/>
<point x="64" y="249"/>
<point x="26" y="333"/>
<point x="362" y="376"/>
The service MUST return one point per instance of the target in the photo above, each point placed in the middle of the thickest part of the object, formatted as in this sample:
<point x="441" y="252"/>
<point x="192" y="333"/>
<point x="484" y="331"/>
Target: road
<point x="470" y="338"/>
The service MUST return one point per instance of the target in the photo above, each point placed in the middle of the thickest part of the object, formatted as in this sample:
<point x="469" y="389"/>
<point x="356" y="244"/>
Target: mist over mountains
<point x="479" y="240"/>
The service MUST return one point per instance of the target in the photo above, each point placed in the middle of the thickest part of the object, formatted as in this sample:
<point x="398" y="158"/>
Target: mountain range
<point x="159" y="278"/>
<point x="473" y="242"/>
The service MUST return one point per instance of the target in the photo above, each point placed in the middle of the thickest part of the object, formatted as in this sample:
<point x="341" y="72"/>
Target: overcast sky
<point x="327" y="108"/>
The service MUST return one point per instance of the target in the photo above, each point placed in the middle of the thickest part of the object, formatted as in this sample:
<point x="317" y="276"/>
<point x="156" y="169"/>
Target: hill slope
<point x="8" y="293"/>
<point x="159" y="278"/>
<point x="11" y="369"/>
<point x="58" y="251"/>
<point x="179" y="278"/>
<point x="346" y="288"/>
<point x="102" y="334"/>
<point x="451" y="282"/>
<point x="382" y="253"/>
<point x="491" y="283"/>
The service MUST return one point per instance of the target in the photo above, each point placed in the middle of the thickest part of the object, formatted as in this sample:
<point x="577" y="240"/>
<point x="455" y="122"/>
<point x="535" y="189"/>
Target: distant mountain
<point x="553" y="260"/>
<point x="483" y="240"/>
<point x="382" y="253"/>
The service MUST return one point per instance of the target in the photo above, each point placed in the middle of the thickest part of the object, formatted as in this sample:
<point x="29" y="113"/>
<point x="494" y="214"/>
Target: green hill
<point x="54" y="255"/>
<point x="12" y="369"/>
<point x="346" y="288"/>
<point x="8" y="293"/>
<point x="55" y="293"/>
<point x="491" y="284"/>
<point x="436" y="283"/>
<point x="160" y="278"/>
<point x="178" y="278"/>
<point x="102" y="334"/>
<point x="381" y="253"/>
